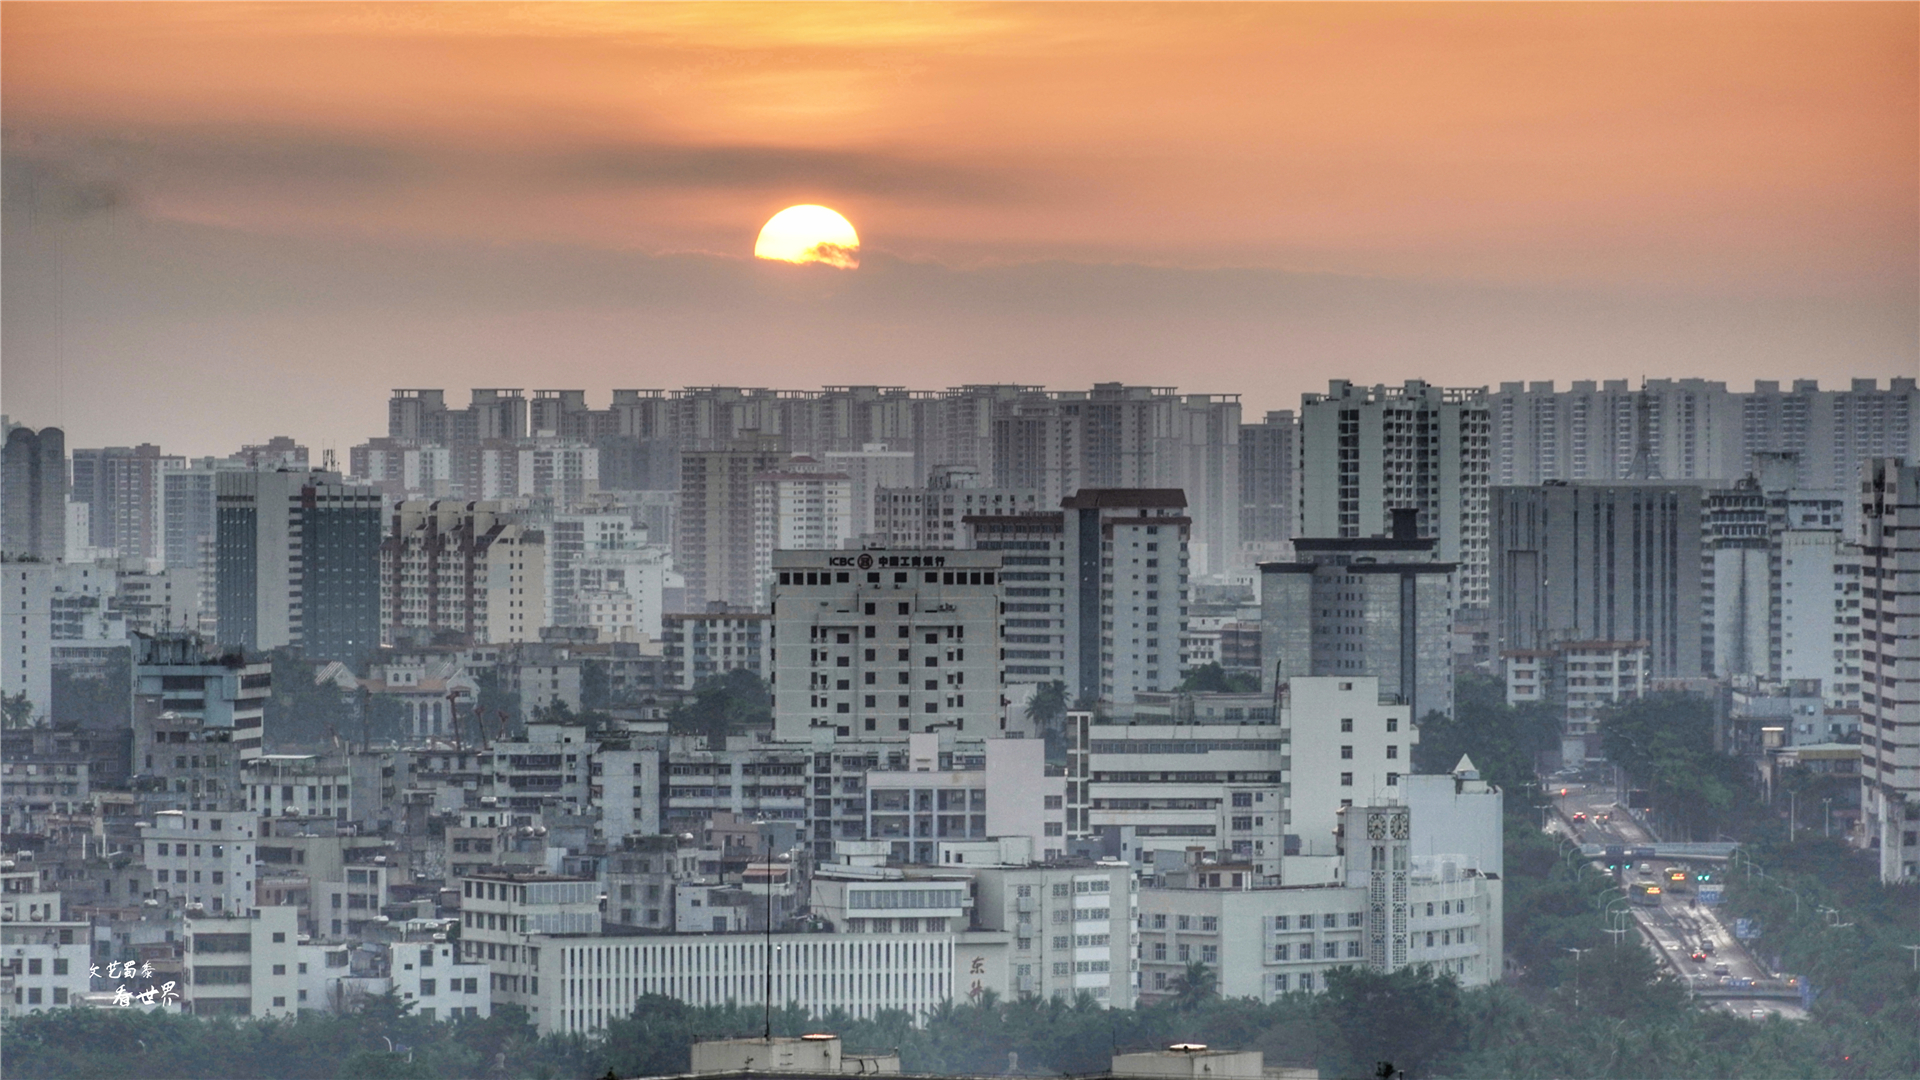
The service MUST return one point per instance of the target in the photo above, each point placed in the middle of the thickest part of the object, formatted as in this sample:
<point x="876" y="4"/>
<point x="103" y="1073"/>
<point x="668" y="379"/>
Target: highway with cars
<point x="1686" y="934"/>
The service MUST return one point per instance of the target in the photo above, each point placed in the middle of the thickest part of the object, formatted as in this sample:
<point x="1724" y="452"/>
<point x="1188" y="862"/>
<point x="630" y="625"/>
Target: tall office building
<point x="886" y="643"/>
<point x="467" y="568"/>
<point x="715" y="549"/>
<point x="1127" y="589"/>
<point x="1890" y="666"/>
<point x="1374" y="607"/>
<point x="189" y="496"/>
<point x="1602" y="562"/>
<point x="33" y="494"/>
<point x="297" y="562"/>
<point x="123" y="488"/>
<point x="1267" y="483"/>
<point x="1367" y="451"/>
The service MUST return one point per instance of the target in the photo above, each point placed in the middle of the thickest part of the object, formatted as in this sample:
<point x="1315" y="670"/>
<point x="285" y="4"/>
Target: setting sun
<point x="809" y="234"/>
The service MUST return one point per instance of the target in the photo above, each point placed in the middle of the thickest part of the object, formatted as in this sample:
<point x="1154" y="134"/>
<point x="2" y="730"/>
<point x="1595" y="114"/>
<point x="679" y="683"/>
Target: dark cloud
<point x="659" y="165"/>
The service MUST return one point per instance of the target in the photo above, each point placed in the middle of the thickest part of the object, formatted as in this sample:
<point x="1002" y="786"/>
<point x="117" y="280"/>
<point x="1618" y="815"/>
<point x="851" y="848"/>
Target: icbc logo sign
<point x="864" y="562"/>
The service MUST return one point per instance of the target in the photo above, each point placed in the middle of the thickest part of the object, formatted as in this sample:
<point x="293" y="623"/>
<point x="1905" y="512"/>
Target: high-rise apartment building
<point x="1037" y="578"/>
<point x="1890" y="665"/>
<point x="1831" y="431"/>
<point x="33" y="494"/>
<point x="1694" y="429"/>
<point x="886" y="643"/>
<point x="871" y="469"/>
<point x="798" y="509"/>
<point x="1202" y="452"/>
<point x="473" y="569"/>
<point x="1127" y="589"/>
<point x="704" y="644"/>
<point x="1818" y="632"/>
<point x="297" y="562"/>
<point x="1602" y="562"/>
<point x="1366" y="451"/>
<point x="715" y="548"/>
<point x="1267" y="483"/>
<point x="935" y="516"/>
<point x="123" y="488"/>
<point x="1373" y="607"/>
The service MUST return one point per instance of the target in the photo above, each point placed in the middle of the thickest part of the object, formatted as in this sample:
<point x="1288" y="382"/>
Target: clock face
<point x="1376" y="827"/>
<point x="1400" y="826"/>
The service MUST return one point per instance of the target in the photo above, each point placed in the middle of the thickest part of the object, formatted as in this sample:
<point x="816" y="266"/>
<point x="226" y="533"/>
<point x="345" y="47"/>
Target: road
<point x="1678" y="927"/>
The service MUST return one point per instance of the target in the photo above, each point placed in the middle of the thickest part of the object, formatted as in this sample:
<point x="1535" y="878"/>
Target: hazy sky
<point x="225" y="222"/>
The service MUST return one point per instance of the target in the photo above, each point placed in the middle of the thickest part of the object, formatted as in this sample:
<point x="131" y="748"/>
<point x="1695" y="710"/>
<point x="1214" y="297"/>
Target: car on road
<point x="1757" y="1014"/>
<point x="1707" y="947"/>
<point x="1698" y="957"/>
<point x="1720" y="969"/>
<point x="1579" y="817"/>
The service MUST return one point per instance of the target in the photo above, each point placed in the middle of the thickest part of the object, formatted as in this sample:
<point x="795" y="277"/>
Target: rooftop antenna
<point x="1644" y="467"/>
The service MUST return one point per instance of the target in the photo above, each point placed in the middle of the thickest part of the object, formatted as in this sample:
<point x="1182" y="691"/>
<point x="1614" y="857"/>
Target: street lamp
<point x="1578" y="955"/>
<point x="1828" y="803"/>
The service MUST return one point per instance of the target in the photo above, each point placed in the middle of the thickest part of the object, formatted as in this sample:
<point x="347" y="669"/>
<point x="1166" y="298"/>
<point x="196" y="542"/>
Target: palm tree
<point x="1195" y="985"/>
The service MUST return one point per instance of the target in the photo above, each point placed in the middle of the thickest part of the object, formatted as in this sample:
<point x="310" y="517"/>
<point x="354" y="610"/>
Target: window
<point x="1209" y="923"/>
<point x="1346" y="724"/>
<point x="279" y="969"/>
<point x="1353" y="950"/>
<point x="1185" y="953"/>
<point x="428" y="987"/>
<point x="1183" y="922"/>
<point x="1330" y="950"/>
<point x="1393" y="723"/>
<point x="59" y="967"/>
<point x="1209" y="954"/>
<point x="1280" y="984"/>
<point x="1306" y="981"/>
<point x="1279" y="922"/>
<point x="1355" y="918"/>
<point x="1346" y="753"/>
<point x="1330" y="920"/>
<point x="1346" y="779"/>
<point x="1393" y="752"/>
<point x="1280" y="952"/>
<point x="1159" y="922"/>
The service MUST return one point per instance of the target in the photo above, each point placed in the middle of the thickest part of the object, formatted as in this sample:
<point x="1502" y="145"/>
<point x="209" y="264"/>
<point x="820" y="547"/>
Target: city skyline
<point x="224" y="223"/>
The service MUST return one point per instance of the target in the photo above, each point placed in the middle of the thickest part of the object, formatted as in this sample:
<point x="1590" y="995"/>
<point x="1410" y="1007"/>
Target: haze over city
<point x="224" y="216"/>
<point x="1244" y="541"/>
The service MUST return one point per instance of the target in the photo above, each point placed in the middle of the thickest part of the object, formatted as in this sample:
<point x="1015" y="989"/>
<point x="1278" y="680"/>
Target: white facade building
<point x="1347" y="747"/>
<point x="1890" y="666"/>
<point x="886" y="642"/>
<point x="202" y="858"/>
<point x="43" y="964"/>
<point x="1819" y="620"/>
<point x="798" y="511"/>
<point x="1072" y="927"/>
<point x="1127" y="588"/>
<point x="243" y="965"/>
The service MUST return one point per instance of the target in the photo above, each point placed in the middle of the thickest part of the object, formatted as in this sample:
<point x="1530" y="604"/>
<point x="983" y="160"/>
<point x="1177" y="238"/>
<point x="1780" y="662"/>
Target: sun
<point x="809" y="234"/>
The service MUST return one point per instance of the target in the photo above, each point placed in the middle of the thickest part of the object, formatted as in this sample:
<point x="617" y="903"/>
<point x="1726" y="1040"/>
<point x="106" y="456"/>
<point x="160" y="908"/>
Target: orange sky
<point x="1724" y="154"/>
